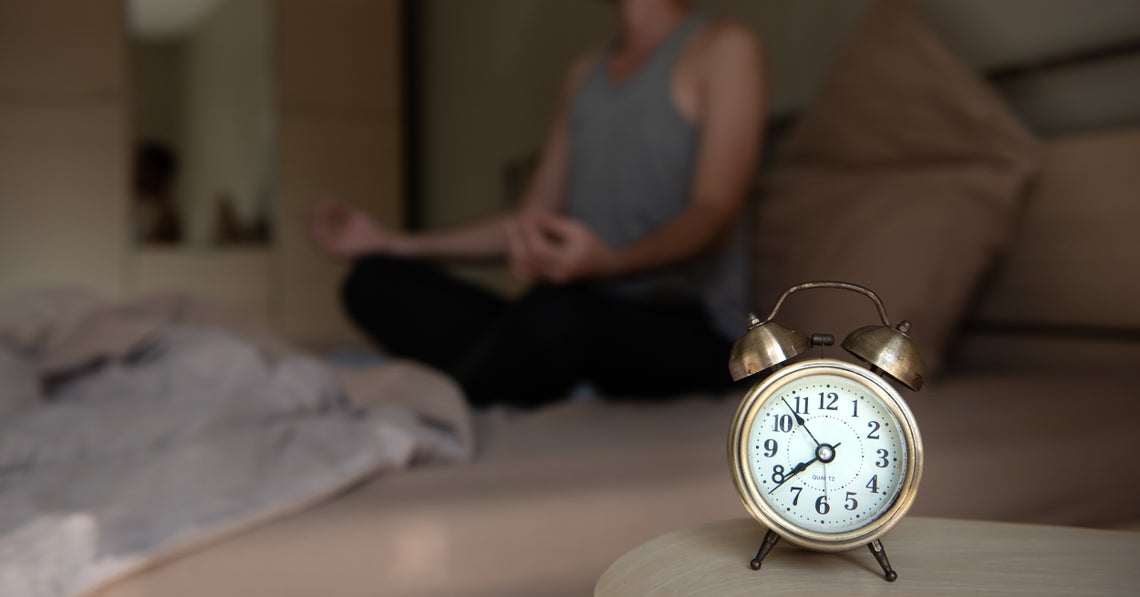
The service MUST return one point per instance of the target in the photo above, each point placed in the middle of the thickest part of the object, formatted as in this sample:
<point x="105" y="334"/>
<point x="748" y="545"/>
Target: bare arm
<point x="564" y="250"/>
<point x="481" y="239"/>
<point x="343" y="232"/>
<point x="726" y="158"/>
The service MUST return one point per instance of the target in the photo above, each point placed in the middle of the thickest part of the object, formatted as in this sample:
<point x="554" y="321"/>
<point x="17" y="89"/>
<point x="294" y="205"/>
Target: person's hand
<point x="343" y="232"/>
<point x="519" y="256"/>
<point x="557" y="249"/>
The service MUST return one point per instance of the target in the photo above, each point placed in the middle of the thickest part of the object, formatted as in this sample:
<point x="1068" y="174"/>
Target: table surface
<point x="931" y="556"/>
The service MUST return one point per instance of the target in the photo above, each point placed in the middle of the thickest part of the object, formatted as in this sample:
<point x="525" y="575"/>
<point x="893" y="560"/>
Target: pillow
<point x="904" y="175"/>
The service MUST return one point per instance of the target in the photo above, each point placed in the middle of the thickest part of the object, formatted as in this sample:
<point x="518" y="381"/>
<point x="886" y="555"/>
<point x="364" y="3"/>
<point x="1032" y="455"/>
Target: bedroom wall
<point x="63" y="139"/>
<point x="340" y="130"/>
<point x="155" y="74"/>
<point x="228" y="130"/>
<point x="492" y="71"/>
<point x="65" y="171"/>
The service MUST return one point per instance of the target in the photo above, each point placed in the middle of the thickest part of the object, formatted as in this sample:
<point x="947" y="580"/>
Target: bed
<point x="1036" y="399"/>
<point x="1033" y="399"/>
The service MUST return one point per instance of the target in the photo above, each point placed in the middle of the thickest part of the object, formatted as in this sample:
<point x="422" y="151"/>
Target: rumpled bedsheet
<point x="131" y="431"/>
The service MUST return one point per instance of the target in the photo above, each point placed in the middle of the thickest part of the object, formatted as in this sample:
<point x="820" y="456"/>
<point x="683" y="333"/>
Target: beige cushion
<point x="1073" y="260"/>
<point x="903" y="176"/>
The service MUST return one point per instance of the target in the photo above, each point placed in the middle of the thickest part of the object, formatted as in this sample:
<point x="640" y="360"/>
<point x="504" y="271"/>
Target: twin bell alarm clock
<point x="825" y="453"/>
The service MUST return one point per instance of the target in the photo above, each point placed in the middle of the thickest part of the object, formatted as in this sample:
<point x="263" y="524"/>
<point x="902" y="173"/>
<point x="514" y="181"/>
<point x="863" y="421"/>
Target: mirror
<point x="203" y="122"/>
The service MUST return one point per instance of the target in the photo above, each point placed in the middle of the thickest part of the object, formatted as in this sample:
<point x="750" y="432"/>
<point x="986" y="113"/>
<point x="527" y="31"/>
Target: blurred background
<point x="176" y="145"/>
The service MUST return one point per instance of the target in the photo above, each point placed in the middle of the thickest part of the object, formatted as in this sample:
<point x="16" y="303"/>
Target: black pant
<point x="534" y="350"/>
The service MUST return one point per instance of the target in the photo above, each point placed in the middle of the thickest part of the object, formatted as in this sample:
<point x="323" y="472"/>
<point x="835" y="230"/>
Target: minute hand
<point x="800" y="420"/>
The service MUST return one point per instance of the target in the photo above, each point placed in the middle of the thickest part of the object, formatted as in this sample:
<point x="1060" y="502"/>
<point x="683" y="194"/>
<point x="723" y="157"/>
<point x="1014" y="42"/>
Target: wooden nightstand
<point x="932" y="556"/>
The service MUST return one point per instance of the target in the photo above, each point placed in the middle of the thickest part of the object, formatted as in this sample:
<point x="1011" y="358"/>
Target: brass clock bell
<point x="826" y="453"/>
<point x="768" y="343"/>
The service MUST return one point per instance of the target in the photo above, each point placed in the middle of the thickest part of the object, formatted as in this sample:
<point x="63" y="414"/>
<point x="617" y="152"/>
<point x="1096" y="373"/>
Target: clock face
<point x="824" y="452"/>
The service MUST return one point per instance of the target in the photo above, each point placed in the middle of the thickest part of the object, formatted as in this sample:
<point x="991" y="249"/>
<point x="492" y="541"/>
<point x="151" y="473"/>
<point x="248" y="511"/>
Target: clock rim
<point x="738" y="441"/>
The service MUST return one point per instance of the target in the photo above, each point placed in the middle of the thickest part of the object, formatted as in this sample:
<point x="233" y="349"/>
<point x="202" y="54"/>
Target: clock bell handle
<point x="890" y="350"/>
<point x="832" y="284"/>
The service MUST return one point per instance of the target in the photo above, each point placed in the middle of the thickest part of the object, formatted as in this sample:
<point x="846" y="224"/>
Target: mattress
<point x="556" y="495"/>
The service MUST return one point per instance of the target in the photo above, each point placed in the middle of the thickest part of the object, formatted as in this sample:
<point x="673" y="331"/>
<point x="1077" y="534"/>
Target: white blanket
<point x="128" y="432"/>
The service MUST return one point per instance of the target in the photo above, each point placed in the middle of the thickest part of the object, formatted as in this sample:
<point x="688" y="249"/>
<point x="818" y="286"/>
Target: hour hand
<point x="824" y="452"/>
<point x="797" y="469"/>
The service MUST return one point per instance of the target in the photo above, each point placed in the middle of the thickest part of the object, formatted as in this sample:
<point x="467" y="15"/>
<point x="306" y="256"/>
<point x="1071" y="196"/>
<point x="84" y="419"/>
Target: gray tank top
<point x="632" y="157"/>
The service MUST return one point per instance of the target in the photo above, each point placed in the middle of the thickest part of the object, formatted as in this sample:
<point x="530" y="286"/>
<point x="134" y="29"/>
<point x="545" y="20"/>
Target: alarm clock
<point x="825" y="453"/>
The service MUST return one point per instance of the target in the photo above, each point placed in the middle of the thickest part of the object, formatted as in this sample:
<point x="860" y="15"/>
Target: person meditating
<point x="630" y="231"/>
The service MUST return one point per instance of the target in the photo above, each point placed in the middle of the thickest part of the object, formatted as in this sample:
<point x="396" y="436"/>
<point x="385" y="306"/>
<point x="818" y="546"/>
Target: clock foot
<point x="769" y="542"/>
<point x="880" y="554"/>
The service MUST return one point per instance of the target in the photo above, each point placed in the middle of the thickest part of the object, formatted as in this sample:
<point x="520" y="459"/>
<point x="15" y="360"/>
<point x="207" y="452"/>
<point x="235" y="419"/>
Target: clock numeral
<point x="874" y="433"/>
<point x="778" y="474"/>
<point x="801" y="400"/>
<point x="770" y="447"/>
<point x="821" y="505"/>
<point x="832" y="398"/>
<point x="850" y="503"/>
<point x="873" y="484"/>
<point x="882" y="461"/>
<point x="797" y="491"/>
<point x="782" y="423"/>
<point x="855" y="408"/>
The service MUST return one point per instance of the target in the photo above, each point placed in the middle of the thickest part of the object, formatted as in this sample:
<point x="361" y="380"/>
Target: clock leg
<point x="880" y="554"/>
<point x="769" y="542"/>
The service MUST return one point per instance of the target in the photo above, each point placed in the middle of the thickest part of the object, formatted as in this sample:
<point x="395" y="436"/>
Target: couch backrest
<point x="1074" y="262"/>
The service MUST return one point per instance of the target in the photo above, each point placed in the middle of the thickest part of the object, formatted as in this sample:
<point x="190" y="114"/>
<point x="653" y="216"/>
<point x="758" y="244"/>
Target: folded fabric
<point x="157" y="434"/>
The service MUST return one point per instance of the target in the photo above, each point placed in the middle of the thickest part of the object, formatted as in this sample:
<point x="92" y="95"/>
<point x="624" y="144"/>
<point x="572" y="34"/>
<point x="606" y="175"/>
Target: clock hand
<point x="800" y="420"/>
<point x="825" y="481"/>
<point x="799" y="468"/>
<point x="824" y="452"/>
